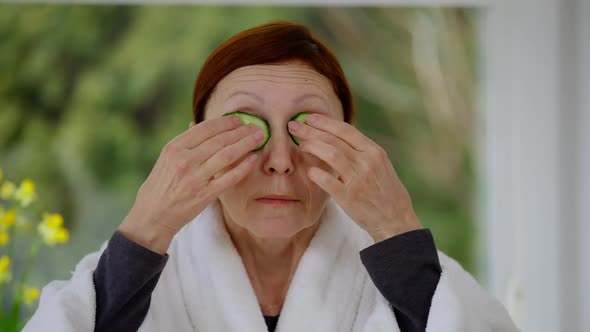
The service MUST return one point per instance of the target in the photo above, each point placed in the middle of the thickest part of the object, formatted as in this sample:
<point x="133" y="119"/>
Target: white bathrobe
<point x="204" y="287"/>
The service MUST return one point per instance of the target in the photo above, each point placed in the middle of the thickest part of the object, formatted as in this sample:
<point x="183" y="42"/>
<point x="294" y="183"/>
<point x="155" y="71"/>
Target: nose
<point x="279" y="154"/>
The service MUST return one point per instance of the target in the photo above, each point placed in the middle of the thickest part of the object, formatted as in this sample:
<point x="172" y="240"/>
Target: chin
<point x="277" y="227"/>
<point x="270" y="221"/>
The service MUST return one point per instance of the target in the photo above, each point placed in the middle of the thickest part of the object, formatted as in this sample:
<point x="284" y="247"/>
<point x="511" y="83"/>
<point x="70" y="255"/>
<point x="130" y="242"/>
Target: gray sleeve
<point x="124" y="279"/>
<point x="406" y="270"/>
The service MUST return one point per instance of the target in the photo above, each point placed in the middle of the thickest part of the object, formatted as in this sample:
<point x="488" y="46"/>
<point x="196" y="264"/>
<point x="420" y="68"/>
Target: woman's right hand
<point x="191" y="171"/>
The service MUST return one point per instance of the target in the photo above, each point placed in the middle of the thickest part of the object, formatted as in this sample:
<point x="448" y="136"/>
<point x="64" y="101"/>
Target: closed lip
<point x="279" y="197"/>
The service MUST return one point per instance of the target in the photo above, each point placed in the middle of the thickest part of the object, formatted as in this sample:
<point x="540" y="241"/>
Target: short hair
<point x="270" y="43"/>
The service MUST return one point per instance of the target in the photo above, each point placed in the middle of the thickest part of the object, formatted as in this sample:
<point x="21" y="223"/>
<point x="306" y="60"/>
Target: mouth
<point x="277" y="199"/>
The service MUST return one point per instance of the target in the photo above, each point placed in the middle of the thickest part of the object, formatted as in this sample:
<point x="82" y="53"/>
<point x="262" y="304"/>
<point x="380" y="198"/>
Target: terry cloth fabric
<point x="204" y="287"/>
<point x="404" y="268"/>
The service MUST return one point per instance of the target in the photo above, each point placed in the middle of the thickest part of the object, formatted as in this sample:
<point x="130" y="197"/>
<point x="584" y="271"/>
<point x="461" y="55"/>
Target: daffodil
<point x="30" y="295"/>
<point x="52" y="230"/>
<point x="7" y="219"/>
<point x="25" y="193"/>
<point x="7" y="190"/>
<point x="5" y="273"/>
<point x="4" y="238"/>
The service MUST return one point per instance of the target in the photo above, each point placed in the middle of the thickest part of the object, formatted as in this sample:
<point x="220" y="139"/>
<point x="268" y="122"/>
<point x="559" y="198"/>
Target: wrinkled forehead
<point x="276" y="84"/>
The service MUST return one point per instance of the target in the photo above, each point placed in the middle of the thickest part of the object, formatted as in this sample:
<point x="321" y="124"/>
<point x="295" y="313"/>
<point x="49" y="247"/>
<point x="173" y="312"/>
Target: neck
<point x="269" y="262"/>
<point x="270" y="257"/>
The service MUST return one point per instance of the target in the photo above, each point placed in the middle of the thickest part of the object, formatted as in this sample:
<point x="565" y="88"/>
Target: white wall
<point x="582" y="190"/>
<point x="536" y="160"/>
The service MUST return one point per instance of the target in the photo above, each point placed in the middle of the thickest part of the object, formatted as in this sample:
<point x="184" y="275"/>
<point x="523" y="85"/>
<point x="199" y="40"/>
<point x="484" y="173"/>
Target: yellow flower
<point x="7" y="190"/>
<point x="4" y="238"/>
<point x="53" y="220"/>
<point x="31" y="294"/>
<point x="52" y="230"/>
<point x="62" y="236"/>
<point x="5" y="274"/>
<point x="7" y="219"/>
<point x="25" y="193"/>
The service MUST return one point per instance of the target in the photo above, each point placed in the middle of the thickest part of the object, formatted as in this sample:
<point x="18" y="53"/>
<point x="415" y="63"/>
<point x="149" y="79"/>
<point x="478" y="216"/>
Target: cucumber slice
<point x="299" y="117"/>
<point x="251" y="119"/>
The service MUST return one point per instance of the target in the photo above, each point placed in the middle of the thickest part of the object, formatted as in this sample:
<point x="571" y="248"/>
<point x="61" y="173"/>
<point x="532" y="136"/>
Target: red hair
<point x="265" y="44"/>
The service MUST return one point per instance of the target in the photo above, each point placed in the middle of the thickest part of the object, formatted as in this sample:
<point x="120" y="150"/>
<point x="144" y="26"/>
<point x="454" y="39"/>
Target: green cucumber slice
<point x="251" y="119"/>
<point x="299" y="117"/>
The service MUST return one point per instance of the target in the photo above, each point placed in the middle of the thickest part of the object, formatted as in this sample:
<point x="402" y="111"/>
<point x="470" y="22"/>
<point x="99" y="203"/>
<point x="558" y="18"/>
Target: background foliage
<point x="90" y="94"/>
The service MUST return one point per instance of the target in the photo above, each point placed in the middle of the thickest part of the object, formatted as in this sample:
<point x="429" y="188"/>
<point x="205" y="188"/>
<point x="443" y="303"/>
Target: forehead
<point x="276" y="84"/>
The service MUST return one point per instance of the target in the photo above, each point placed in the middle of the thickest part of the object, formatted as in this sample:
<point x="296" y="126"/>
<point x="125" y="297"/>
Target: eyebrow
<point x="297" y="100"/>
<point x="251" y="94"/>
<point x="307" y="96"/>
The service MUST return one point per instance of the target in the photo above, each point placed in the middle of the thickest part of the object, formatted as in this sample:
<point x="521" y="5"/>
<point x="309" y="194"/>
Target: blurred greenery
<point x="89" y="95"/>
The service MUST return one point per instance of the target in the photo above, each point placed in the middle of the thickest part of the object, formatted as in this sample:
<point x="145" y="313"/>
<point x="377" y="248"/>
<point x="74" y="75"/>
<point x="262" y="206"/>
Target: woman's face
<point x="275" y="92"/>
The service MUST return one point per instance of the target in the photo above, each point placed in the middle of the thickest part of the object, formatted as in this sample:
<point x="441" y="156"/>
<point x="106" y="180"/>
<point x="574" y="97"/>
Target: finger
<point x="307" y="132"/>
<point x="230" y="154"/>
<point x="220" y="141"/>
<point x="233" y="176"/>
<point x="330" y="155"/>
<point x="199" y="133"/>
<point x="342" y="130"/>
<point x="326" y="181"/>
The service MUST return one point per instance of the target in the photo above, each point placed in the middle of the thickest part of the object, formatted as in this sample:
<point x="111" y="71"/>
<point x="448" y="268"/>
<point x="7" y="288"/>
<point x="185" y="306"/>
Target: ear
<point x="191" y="124"/>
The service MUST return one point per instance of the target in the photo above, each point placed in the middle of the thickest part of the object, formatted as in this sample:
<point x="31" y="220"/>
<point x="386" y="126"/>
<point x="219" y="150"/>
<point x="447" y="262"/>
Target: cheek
<point x="316" y="196"/>
<point x="235" y="197"/>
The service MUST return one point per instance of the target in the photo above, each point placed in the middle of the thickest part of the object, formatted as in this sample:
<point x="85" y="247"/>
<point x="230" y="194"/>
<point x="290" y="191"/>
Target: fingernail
<point x="312" y="118"/>
<point x="236" y="120"/>
<point x="294" y="125"/>
<point x="258" y="136"/>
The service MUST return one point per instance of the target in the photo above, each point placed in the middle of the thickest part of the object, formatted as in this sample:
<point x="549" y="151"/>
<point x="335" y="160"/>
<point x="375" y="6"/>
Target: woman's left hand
<point x="366" y="187"/>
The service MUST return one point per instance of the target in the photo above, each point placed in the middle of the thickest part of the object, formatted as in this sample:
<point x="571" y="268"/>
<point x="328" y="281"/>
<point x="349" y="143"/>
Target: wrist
<point x="152" y="237"/>
<point x="393" y="229"/>
<point x="382" y="235"/>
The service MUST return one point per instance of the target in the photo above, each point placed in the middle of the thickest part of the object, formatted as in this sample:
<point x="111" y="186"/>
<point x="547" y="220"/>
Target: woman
<point x="227" y="236"/>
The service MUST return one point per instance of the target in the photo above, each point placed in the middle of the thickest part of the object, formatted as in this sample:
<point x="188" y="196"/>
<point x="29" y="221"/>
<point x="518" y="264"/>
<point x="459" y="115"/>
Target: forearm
<point x="406" y="270"/>
<point x="124" y="279"/>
